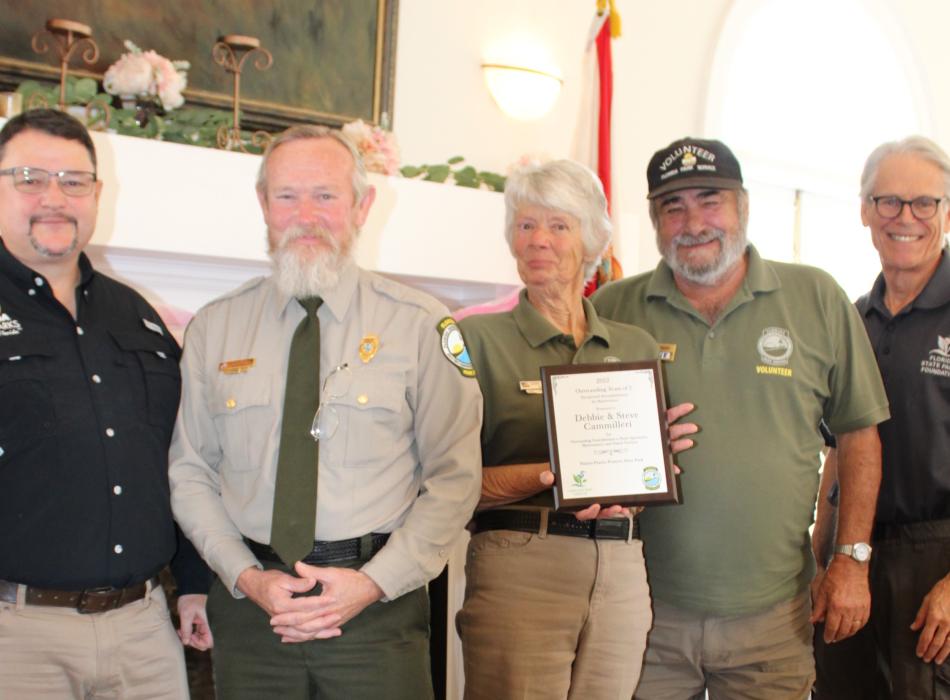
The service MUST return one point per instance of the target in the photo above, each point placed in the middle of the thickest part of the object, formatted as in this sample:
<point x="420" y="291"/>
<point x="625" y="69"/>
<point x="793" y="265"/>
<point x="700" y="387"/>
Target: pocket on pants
<point x="942" y="680"/>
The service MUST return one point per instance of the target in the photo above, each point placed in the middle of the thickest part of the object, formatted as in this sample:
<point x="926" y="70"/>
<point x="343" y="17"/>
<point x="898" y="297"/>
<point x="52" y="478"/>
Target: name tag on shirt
<point x="236" y="366"/>
<point x="667" y="351"/>
<point x="530" y="386"/>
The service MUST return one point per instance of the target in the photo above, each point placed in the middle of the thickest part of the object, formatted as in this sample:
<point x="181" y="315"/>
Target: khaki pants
<point x="765" y="656"/>
<point x="57" y="653"/>
<point x="553" y="617"/>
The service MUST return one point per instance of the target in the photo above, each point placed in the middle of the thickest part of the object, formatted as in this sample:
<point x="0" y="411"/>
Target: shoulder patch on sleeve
<point x="453" y="346"/>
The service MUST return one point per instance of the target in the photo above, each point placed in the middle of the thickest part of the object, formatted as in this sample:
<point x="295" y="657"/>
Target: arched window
<point x="802" y="92"/>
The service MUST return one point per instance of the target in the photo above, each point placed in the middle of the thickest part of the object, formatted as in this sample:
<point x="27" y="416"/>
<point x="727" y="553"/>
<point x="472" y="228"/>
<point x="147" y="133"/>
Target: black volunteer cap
<point x="693" y="163"/>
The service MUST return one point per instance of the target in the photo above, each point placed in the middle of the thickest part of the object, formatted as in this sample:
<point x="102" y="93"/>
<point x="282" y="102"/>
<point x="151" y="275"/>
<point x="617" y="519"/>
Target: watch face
<point x="861" y="551"/>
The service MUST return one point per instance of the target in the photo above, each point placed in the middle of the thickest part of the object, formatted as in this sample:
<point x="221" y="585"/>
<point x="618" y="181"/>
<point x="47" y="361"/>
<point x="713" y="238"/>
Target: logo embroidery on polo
<point x="938" y="361"/>
<point x="9" y="326"/>
<point x="775" y="347"/>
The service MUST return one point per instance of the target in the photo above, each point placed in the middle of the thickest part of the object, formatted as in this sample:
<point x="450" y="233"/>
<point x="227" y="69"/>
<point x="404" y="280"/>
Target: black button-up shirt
<point x="87" y="408"/>
<point x="913" y="352"/>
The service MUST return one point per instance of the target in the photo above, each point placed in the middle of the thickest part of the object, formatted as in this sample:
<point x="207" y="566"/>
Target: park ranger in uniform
<point x="323" y="570"/>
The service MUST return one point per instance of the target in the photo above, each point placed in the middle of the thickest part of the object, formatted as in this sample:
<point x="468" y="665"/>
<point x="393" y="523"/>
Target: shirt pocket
<point x="155" y="358"/>
<point x="244" y="419"/>
<point x="27" y="411"/>
<point x="374" y="419"/>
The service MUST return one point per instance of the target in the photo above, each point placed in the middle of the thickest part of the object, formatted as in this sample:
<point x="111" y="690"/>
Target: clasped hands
<point x="345" y="594"/>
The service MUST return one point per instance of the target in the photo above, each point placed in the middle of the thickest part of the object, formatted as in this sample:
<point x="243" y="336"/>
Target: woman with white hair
<point x="550" y="611"/>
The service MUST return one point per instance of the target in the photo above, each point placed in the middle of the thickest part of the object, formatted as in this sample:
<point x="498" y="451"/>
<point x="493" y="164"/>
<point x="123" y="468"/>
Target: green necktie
<point x="295" y="493"/>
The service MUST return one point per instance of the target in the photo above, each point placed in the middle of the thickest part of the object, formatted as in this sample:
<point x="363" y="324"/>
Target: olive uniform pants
<point x="382" y="653"/>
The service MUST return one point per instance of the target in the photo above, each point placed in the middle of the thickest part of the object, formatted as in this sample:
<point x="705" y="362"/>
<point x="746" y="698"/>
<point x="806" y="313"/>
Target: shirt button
<point x="117" y="490"/>
<point x="31" y="292"/>
<point x="110" y="432"/>
<point x="38" y="281"/>
<point x="117" y="549"/>
<point x="712" y="334"/>
<point x="97" y="379"/>
<point x="79" y="330"/>
<point x="1" y="452"/>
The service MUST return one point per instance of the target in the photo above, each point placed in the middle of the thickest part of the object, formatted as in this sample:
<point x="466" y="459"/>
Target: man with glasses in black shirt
<point x="90" y="385"/>
<point x="903" y="651"/>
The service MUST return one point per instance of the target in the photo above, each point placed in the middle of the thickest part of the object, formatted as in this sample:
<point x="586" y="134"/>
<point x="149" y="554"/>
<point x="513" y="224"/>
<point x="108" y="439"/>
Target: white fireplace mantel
<point x="182" y="224"/>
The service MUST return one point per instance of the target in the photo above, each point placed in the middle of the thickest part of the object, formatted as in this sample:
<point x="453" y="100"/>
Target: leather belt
<point x="923" y="531"/>
<point x="558" y="524"/>
<point x="325" y="552"/>
<point x="90" y="600"/>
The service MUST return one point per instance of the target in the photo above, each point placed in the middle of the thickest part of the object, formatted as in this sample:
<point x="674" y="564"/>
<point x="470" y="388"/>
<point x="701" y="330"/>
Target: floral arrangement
<point x="147" y="74"/>
<point x="377" y="146"/>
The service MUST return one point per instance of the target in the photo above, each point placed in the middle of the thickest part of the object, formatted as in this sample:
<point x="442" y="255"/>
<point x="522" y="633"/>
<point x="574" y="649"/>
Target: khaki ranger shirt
<point x="405" y="457"/>
<point x="788" y="350"/>
<point x="509" y="349"/>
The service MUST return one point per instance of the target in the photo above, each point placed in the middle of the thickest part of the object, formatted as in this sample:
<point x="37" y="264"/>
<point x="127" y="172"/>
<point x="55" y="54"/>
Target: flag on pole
<point x="604" y="28"/>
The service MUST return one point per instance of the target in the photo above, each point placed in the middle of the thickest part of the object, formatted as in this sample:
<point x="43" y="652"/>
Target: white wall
<point x="661" y="68"/>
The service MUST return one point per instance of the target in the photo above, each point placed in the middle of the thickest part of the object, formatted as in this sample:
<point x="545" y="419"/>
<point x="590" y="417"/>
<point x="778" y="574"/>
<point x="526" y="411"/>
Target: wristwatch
<point x="859" y="551"/>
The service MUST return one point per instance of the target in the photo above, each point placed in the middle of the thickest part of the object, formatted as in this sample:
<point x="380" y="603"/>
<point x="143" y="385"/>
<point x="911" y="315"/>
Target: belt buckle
<point x="605" y="527"/>
<point x="88" y="595"/>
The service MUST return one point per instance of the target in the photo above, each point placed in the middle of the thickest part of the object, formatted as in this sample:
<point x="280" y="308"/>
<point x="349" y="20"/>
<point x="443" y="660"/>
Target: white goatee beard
<point x="302" y="277"/>
<point x="732" y="251"/>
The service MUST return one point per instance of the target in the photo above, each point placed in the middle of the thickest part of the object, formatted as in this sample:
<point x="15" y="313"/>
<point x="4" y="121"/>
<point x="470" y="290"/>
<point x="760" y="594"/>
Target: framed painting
<point x="334" y="60"/>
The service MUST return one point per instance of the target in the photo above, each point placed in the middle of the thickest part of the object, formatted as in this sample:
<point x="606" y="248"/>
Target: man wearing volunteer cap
<point x="765" y="350"/>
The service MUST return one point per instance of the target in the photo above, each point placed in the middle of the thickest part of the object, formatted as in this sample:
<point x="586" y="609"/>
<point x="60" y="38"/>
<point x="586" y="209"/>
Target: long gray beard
<point x="706" y="275"/>
<point x="301" y="278"/>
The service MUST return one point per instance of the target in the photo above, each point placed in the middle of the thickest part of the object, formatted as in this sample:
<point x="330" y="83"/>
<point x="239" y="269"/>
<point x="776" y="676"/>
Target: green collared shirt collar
<point x="537" y="330"/>
<point x="759" y="278"/>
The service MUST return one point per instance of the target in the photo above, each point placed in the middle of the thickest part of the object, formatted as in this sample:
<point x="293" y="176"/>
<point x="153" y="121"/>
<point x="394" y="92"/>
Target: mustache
<point x="688" y="240"/>
<point x="37" y="218"/>
<point x="292" y="233"/>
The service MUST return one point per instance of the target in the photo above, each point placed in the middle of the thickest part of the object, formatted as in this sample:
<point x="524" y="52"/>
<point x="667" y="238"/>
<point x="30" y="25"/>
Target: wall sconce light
<point x="522" y="93"/>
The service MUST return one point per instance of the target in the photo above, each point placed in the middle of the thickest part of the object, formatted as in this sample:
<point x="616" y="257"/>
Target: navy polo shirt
<point x="913" y="352"/>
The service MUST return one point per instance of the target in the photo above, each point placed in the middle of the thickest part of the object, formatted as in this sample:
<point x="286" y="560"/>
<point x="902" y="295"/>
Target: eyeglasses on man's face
<point x="890" y="206"/>
<point x="72" y="183"/>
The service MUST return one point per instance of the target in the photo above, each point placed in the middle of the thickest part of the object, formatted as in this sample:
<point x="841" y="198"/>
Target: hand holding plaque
<point x="608" y="434"/>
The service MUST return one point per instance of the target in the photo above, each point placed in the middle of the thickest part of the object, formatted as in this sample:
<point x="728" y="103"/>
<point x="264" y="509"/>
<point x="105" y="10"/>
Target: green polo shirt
<point x="788" y="350"/>
<point x="508" y="349"/>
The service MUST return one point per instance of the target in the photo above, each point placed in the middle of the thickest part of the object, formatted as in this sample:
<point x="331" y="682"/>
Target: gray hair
<point x="919" y="146"/>
<point x="299" y="132"/>
<point x="566" y="186"/>
<point x="742" y="202"/>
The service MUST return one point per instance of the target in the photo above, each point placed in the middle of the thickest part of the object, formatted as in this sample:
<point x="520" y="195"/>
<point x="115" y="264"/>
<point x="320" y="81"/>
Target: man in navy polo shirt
<point x="903" y="651"/>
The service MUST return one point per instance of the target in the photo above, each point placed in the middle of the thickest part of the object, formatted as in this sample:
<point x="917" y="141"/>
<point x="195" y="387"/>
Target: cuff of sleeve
<point x="397" y="574"/>
<point x="229" y="560"/>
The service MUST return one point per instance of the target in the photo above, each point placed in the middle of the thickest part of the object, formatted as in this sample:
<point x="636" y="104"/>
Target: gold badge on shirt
<point x="236" y="366"/>
<point x="369" y="346"/>
<point x="530" y="386"/>
<point x="667" y="351"/>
